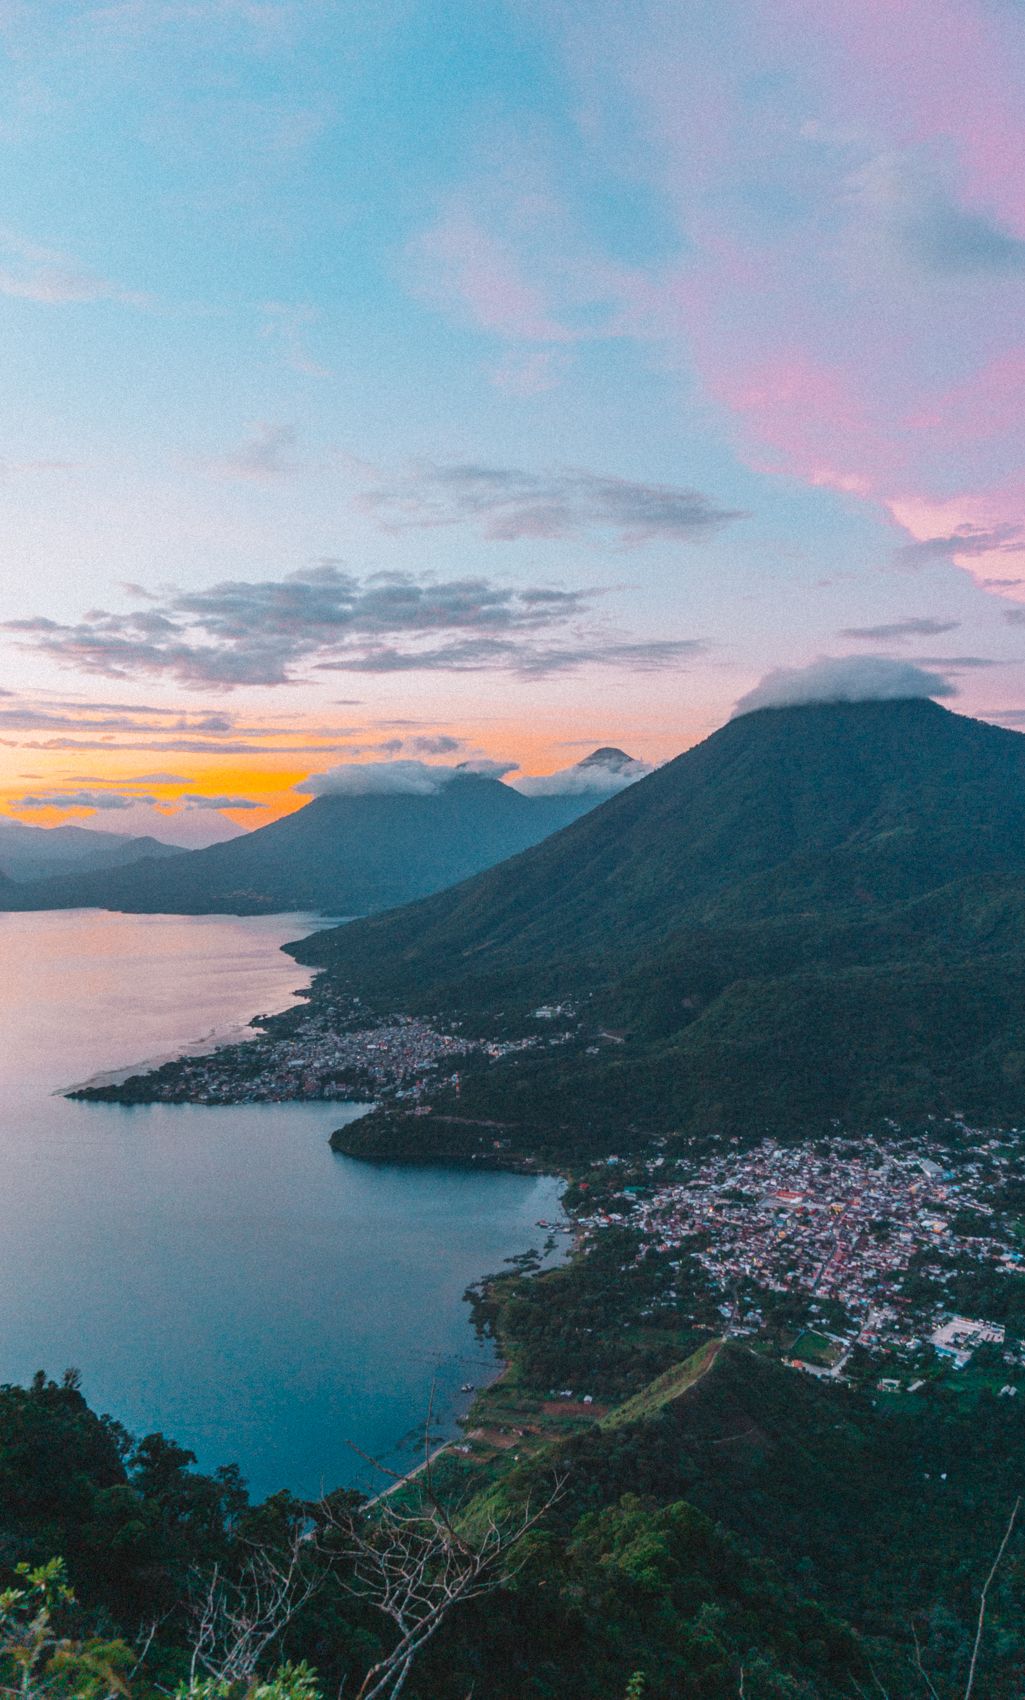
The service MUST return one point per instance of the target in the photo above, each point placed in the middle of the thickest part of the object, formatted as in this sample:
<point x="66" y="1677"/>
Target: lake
<point x="219" y="1273"/>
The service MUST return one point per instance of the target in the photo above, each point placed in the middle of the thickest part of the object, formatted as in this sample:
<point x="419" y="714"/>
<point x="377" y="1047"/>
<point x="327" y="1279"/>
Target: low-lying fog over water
<point x="219" y="1273"/>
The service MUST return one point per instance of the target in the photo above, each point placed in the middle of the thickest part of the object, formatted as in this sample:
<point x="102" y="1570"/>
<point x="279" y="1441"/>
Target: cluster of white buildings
<point x="317" y="1062"/>
<point x="836" y="1221"/>
<point x="329" y="1054"/>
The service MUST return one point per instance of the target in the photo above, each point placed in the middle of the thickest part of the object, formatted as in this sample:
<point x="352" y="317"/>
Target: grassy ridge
<point x="666" y="1388"/>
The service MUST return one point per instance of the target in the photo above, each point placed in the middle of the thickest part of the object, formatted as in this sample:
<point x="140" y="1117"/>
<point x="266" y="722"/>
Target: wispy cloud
<point x="440" y="745"/>
<point x="148" y="812"/>
<point x="507" y="504"/>
<point x="166" y="746"/>
<point x="900" y="631"/>
<point x="848" y="279"/>
<point x="422" y="745"/>
<point x="921" y="219"/>
<point x="244" y="632"/>
<point x="965" y="543"/>
<point x="287" y="327"/>
<point x="147" y="727"/>
<point x="466" y="265"/>
<point x="265" y="455"/>
<point x="32" y="272"/>
<point x="964" y="663"/>
<point x="527" y="658"/>
<point x="28" y="718"/>
<point x="101" y="800"/>
<point x="196" y="800"/>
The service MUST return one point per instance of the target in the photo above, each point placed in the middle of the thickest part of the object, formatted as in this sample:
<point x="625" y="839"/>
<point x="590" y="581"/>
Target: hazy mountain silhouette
<point x="341" y="854"/>
<point x="36" y="852"/>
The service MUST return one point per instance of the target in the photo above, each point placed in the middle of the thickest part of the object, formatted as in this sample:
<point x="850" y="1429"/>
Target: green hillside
<point x="734" y="1516"/>
<point x="819" y="911"/>
<point x="727" y="1527"/>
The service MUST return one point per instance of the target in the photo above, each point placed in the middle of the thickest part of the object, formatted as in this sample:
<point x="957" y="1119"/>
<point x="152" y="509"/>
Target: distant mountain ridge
<point x="819" y="910"/>
<point x="36" y="852"/>
<point x="342" y="853"/>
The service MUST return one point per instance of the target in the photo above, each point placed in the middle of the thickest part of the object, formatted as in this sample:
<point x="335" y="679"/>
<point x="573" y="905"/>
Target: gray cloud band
<point x="898" y="631"/>
<point x="508" y="504"/>
<point x="242" y="632"/>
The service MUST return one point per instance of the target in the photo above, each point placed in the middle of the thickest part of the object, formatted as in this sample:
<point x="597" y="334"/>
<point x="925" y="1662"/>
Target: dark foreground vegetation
<point x="712" y="1524"/>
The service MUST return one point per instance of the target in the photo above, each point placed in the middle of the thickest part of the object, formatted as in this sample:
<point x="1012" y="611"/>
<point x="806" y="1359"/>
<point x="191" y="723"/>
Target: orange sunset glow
<point x="158" y="763"/>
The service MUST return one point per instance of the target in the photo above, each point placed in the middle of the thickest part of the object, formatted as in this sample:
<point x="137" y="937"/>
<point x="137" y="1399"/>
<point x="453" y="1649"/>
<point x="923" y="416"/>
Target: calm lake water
<point x="219" y="1273"/>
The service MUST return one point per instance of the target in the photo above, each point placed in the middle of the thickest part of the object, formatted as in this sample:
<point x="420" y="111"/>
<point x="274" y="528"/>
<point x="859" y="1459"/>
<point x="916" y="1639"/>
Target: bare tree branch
<point x="923" y="1673"/>
<point x="236" y="1619"/>
<point x="875" y="1679"/>
<point x="983" y="1597"/>
<point x="416" y="1564"/>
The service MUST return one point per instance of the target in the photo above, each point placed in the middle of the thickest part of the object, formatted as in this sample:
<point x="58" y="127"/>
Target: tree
<point x="237" y="1619"/>
<point x="414" y="1560"/>
<point x="37" y="1659"/>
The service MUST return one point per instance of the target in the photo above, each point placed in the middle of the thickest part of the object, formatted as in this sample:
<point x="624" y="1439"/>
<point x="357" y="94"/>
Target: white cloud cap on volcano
<point x="601" y="774"/>
<point x="845" y="678"/>
<point x="396" y="778"/>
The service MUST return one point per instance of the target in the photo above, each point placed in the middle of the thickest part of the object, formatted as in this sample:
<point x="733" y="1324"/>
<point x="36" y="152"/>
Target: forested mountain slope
<point x="819" y="911"/>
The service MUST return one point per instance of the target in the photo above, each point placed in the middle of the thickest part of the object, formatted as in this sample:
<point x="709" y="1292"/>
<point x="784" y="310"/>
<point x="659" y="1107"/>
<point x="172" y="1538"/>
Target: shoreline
<point x="495" y="1154"/>
<point x="241" y="1030"/>
<point x="203" y="1004"/>
<point x="218" y="1038"/>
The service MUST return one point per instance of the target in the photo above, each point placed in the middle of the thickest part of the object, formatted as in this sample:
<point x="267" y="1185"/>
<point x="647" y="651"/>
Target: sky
<point x="494" y="379"/>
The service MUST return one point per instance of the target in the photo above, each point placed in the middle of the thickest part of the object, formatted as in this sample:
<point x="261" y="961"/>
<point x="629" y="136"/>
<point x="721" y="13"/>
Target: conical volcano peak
<point x="601" y="774"/>
<point x="608" y="756"/>
<point x="813" y="918"/>
<point x="832" y="806"/>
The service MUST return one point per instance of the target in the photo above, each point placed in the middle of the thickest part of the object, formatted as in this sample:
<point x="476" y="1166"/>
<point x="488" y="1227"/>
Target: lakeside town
<point x="871" y="1248"/>
<point x="879" y="1251"/>
<point x="329" y="1053"/>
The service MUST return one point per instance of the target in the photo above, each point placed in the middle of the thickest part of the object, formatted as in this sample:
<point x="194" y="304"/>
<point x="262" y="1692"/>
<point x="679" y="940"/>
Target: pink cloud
<point x="982" y="533"/>
<point x="31" y="272"/>
<point x="930" y="71"/>
<point x="862" y="344"/>
<point x="986" y="404"/>
<point x="845" y="180"/>
<point x="470" y="268"/>
<point x="811" y="413"/>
